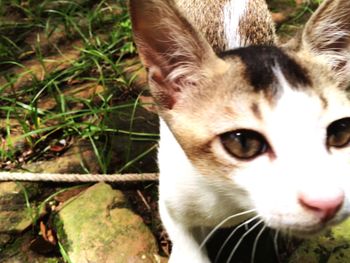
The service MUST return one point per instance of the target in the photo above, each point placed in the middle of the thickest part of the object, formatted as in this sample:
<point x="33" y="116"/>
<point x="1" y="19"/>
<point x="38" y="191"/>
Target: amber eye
<point x="338" y="133"/>
<point x="244" y="144"/>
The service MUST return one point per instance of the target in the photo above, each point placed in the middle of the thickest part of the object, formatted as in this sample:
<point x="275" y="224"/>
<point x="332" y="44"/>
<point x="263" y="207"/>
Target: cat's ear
<point x="175" y="55"/>
<point x="327" y="34"/>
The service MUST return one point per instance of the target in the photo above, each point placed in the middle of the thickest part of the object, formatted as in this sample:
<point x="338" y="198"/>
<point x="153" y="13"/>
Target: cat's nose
<point x="323" y="204"/>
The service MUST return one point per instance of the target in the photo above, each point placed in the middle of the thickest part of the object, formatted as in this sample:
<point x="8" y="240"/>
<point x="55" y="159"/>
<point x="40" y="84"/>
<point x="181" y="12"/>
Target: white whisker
<point x="275" y="243"/>
<point x="222" y="223"/>
<point x="241" y="239"/>
<point x="245" y="224"/>
<point x="255" y="245"/>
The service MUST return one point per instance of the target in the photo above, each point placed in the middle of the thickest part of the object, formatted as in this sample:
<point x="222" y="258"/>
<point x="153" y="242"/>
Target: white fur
<point x="179" y="189"/>
<point x="234" y="10"/>
<point x="295" y="128"/>
<point x="174" y="179"/>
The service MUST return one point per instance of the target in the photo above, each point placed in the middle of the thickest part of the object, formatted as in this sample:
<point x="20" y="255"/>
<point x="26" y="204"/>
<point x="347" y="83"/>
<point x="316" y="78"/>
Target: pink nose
<point x="324" y="205"/>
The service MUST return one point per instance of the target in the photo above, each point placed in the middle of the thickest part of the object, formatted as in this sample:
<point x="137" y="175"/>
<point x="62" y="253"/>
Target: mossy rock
<point x="13" y="193"/>
<point x="18" y="251"/>
<point x="98" y="226"/>
<point x="333" y="247"/>
<point x="15" y="216"/>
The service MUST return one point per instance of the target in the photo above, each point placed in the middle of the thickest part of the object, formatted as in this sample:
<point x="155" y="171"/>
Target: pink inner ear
<point x="169" y="47"/>
<point x="163" y="91"/>
<point x="328" y="32"/>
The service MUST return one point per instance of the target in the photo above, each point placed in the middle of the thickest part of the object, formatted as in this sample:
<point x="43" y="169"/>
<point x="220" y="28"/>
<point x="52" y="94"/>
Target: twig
<point x="144" y="200"/>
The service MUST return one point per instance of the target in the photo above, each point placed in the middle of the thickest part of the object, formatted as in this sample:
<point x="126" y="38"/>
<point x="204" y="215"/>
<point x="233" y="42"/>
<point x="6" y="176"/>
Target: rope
<point x="8" y="176"/>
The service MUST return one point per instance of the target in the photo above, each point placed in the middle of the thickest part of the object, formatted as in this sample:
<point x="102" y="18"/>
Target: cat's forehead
<point x="266" y="74"/>
<point x="263" y="85"/>
<point x="266" y="84"/>
<point x="263" y="67"/>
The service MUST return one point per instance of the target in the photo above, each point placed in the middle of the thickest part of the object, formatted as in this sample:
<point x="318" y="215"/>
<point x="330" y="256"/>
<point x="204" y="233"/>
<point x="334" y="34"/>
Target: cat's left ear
<point x="327" y="34"/>
<point x="178" y="58"/>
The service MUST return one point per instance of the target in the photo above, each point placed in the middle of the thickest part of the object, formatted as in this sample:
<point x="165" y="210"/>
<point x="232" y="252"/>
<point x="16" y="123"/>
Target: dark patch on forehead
<point x="256" y="111"/>
<point x="259" y="62"/>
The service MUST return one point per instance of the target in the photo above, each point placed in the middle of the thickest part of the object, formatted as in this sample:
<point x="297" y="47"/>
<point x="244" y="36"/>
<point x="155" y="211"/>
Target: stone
<point x="98" y="226"/>
<point x="332" y="247"/>
<point x="19" y="251"/>
<point x="15" y="216"/>
<point x="70" y="162"/>
<point x="4" y="239"/>
<point x="13" y="193"/>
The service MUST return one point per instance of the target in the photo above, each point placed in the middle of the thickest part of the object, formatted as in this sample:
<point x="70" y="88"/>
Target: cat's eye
<point x="338" y="133"/>
<point x="244" y="144"/>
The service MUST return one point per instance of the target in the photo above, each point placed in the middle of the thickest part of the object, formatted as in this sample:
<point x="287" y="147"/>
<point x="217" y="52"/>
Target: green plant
<point x="100" y="62"/>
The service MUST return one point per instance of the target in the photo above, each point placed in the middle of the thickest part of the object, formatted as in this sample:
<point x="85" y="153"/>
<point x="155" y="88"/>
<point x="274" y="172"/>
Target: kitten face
<point x="300" y="161"/>
<point x="277" y="141"/>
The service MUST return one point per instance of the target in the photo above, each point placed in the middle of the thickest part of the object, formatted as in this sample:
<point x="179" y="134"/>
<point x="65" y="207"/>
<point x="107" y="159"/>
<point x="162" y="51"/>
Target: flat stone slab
<point x="98" y="226"/>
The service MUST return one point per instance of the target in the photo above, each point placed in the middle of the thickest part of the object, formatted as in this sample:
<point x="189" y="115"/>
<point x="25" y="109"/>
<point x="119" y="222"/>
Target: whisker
<point x="241" y="239"/>
<point x="275" y="244"/>
<point x="255" y="245"/>
<point x="222" y="223"/>
<point x="245" y="224"/>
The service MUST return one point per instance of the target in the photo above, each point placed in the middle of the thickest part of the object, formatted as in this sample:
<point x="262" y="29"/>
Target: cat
<point x="250" y="129"/>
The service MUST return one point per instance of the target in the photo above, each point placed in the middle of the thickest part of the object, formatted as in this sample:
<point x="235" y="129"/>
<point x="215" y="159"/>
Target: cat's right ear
<point x="175" y="55"/>
<point x="327" y="34"/>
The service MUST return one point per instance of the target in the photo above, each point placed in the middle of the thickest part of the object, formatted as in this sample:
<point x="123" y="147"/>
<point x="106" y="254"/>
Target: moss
<point x="14" y="221"/>
<point x="105" y="228"/>
<point x="332" y="247"/>
<point x="61" y="234"/>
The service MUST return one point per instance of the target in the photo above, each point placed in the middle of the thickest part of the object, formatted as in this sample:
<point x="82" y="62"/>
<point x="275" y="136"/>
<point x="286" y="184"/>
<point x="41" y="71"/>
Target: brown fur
<point x="256" y="27"/>
<point x="200" y="13"/>
<point x="258" y="30"/>
<point x="327" y="35"/>
<point x="256" y="110"/>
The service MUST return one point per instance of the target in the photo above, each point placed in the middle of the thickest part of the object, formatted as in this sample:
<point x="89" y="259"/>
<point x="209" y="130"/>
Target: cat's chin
<point x="304" y="226"/>
<point x="307" y="233"/>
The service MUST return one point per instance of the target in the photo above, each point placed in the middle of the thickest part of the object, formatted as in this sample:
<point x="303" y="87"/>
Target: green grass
<point x="42" y="106"/>
<point x="37" y="31"/>
<point x="297" y="15"/>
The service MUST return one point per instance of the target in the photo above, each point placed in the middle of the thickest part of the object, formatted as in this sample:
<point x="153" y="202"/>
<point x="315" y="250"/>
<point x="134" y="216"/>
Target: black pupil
<point x="338" y="133"/>
<point x="244" y="144"/>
